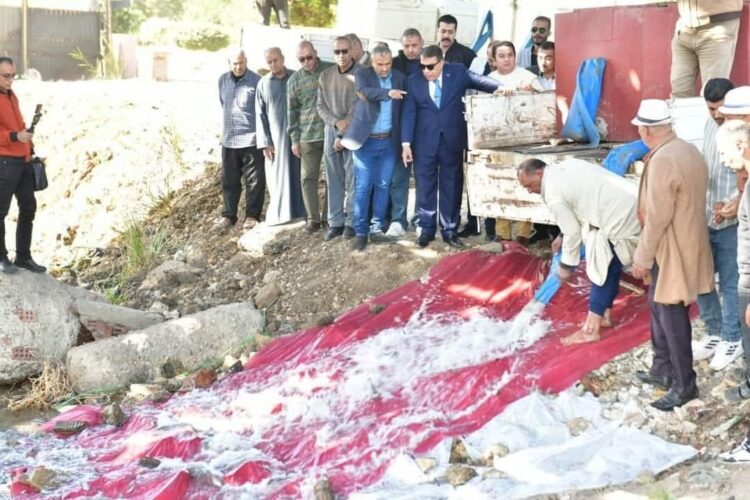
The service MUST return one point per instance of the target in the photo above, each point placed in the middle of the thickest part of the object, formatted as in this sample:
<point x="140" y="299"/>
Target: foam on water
<point x="325" y="398"/>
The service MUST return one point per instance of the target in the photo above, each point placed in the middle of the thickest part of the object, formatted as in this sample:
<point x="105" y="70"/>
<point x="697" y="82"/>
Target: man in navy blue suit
<point x="374" y="136"/>
<point x="433" y="135"/>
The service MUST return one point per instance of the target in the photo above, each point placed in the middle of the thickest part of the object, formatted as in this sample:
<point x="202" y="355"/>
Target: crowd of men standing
<point x="374" y="120"/>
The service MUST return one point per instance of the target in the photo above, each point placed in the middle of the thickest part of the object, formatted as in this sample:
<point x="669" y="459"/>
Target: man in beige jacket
<point x="673" y="250"/>
<point x="704" y="42"/>
<point x="593" y="208"/>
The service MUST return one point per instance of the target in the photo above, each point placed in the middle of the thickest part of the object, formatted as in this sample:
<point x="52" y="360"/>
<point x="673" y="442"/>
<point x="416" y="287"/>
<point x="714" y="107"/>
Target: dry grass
<point x="47" y="388"/>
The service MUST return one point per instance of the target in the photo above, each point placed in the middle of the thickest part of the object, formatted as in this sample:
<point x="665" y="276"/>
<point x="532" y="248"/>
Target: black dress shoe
<point x="334" y="232"/>
<point x="469" y="230"/>
<point x="657" y="380"/>
<point x="360" y="242"/>
<point x="671" y="400"/>
<point x="454" y="241"/>
<point x="424" y="240"/>
<point x="30" y="265"/>
<point x="349" y="232"/>
<point x="7" y="266"/>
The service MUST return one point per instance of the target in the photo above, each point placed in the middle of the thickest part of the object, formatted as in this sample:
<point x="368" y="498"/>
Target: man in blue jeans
<point x="374" y="136"/>
<point x="723" y="342"/>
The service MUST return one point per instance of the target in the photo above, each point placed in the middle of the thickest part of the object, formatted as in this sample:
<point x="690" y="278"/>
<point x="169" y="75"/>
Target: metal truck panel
<point x="494" y="190"/>
<point x="495" y="121"/>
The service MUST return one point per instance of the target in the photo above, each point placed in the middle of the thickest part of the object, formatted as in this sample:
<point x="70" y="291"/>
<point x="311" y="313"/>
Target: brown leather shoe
<point x="249" y="223"/>
<point x="312" y="227"/>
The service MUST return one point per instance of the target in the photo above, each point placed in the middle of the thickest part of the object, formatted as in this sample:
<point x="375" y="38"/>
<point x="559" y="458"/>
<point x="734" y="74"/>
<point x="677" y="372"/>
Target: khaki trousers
<point x="311" y="154"/>
<point x="708" y="50"/>
<point x="505" y="229"/>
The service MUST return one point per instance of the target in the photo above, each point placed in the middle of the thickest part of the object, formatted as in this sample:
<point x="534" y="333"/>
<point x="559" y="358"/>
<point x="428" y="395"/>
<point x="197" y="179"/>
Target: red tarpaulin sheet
<point x="296" y="414"/>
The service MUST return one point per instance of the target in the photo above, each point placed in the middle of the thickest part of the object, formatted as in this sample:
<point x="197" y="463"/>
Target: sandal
<point x="739" y="393"/>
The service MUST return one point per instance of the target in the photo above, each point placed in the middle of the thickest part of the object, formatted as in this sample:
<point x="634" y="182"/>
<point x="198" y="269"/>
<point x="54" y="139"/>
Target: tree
<point x="318" y="13"/>
<point x="129" y="20"/>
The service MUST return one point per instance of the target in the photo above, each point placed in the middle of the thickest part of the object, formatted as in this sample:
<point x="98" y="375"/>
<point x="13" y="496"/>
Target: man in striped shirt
<point x="240" y="157"/>
<point x="723" y="343"/>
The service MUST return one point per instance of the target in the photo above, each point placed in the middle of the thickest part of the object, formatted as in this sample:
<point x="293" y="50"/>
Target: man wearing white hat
<point x="673" y="250"/>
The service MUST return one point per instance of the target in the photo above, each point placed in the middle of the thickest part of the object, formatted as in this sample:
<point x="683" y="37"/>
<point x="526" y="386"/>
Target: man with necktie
<point x="433" y="136"/>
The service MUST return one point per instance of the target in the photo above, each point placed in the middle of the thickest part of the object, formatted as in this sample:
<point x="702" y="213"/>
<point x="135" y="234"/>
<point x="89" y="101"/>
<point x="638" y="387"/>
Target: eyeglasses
<point x="428" y="67"/>
<point x="540" y="30"/>
<point x="341" y="51"/>
<point x="8" y="76"/>
<point x="305" y="58"/>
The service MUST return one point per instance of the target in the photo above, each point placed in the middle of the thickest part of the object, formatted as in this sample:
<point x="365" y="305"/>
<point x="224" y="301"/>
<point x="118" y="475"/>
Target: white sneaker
<point x="725" y="354"/>
<point x="739" y="455"/>
<point x="706" y="347"/>
<point x="395" y="230"/>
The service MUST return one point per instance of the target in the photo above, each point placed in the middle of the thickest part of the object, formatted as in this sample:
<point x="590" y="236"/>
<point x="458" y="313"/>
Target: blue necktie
<point x="438" y="93"/>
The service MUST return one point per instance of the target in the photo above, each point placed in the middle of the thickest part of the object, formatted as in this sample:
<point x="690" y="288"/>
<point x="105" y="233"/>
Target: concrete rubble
<point x="138" y="356"/>
<point x="42" y="319"/>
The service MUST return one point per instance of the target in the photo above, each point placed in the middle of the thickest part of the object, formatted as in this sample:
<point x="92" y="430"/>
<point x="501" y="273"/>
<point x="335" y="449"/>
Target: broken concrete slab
<point x="37" y="323"/>
<point x="105" y="320"/>
<point x="138" y="356"/>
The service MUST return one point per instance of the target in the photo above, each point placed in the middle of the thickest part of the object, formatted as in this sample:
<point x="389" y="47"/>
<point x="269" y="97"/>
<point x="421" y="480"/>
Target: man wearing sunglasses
<point x="336" y="98"/>
<point x="433" y="136"/>
<point x="16" y="175"/>
<point x="540" y="31"/>
<point x="307" y="130"/>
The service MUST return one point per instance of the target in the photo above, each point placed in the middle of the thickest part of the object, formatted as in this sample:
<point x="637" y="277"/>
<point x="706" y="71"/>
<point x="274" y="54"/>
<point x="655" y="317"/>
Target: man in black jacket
<point x="407" y="60"/>
<point x="453" y="52"/>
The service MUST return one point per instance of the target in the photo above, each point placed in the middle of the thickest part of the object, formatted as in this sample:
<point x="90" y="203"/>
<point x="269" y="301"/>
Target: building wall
<point x="77" y="5"/>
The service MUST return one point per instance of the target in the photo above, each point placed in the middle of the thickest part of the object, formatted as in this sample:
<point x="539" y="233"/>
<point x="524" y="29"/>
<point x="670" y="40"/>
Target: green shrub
<point x="203" y="36"/>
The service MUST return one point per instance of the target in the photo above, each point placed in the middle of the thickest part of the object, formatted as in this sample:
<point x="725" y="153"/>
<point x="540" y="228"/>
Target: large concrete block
<point x="137" y="356"/>
<point x="37" y="323"/>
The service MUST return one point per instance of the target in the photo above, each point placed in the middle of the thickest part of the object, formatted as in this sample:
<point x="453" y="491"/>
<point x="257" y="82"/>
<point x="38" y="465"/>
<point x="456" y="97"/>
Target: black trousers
<point x="237" y="165"/>
<point x="17" y="179"/>
<point x="671" y="336"/>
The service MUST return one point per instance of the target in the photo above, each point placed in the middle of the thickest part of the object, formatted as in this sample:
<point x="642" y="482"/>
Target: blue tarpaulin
<point x="619" y="159"/>
<point x="581" y="123"/>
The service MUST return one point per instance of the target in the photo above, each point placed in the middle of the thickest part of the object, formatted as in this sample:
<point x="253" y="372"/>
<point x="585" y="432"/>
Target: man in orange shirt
<point x="16" y="175"/>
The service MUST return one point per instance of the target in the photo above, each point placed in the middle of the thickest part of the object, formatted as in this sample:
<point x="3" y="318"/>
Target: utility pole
<point x="106" y="44"/>
<point x="108" y="23"/>
<point x="25" y="35"/>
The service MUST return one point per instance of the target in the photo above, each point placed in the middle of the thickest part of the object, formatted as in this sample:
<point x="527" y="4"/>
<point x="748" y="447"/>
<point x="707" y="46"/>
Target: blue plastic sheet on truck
<point x="581" y="123"/>
<point x="619" y="159"/>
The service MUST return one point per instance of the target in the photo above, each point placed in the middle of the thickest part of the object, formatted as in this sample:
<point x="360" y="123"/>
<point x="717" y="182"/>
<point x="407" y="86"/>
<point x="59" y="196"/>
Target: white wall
<point x="527" y="10"/>
<point x="79" y="5"/>
<point x="389" y="18"/>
